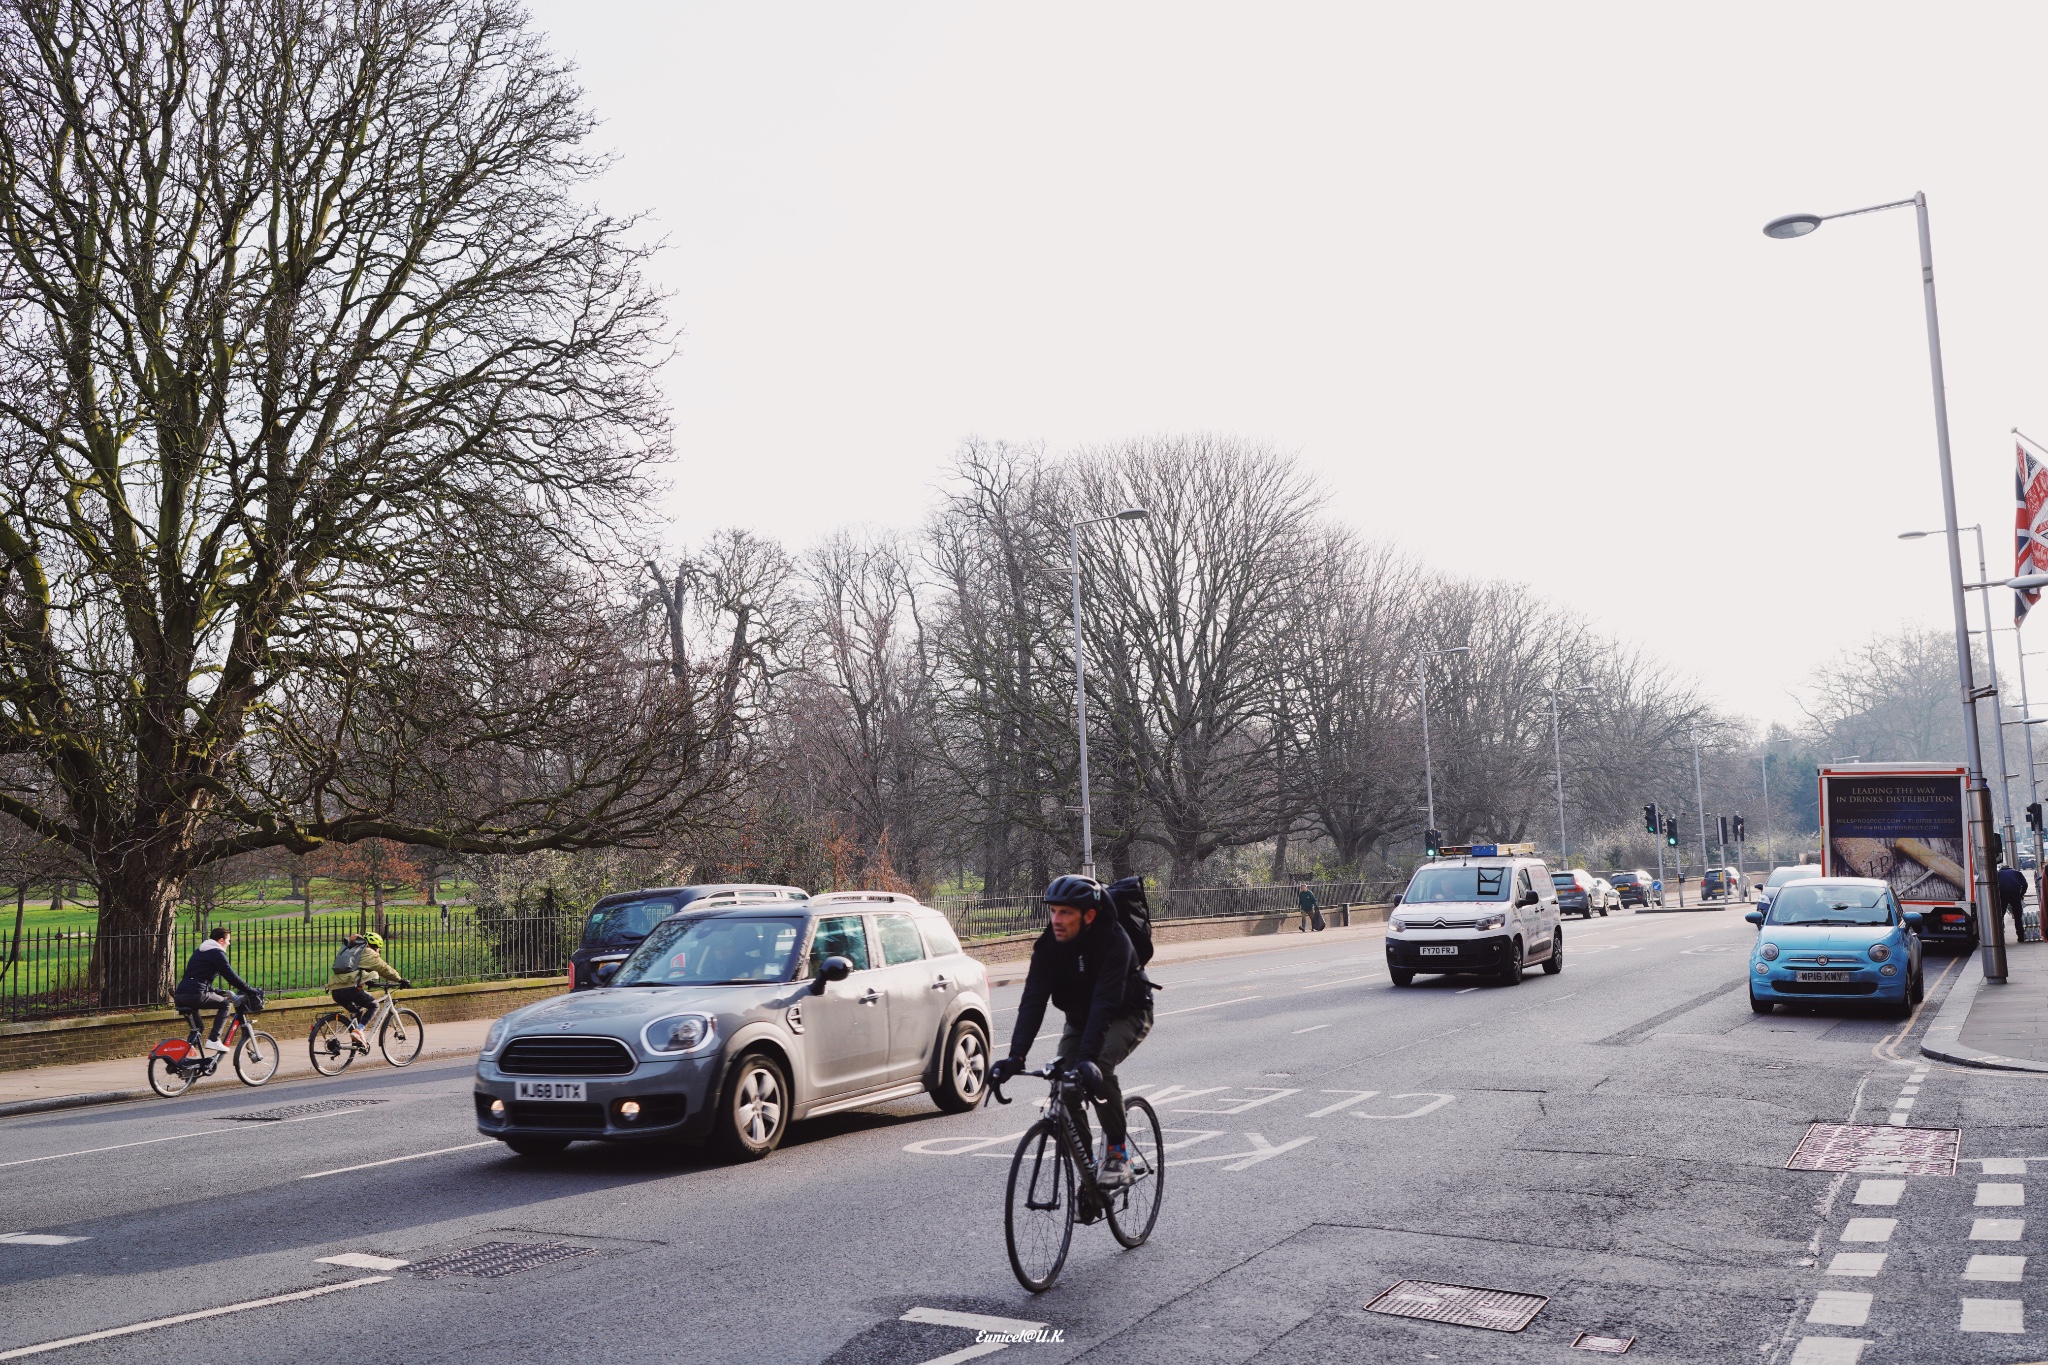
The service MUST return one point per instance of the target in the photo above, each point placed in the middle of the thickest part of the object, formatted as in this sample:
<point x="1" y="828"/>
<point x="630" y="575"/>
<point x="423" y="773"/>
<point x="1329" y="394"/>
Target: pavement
<point x="1998" y="1027"/>
<point x="1616" y="1142"/>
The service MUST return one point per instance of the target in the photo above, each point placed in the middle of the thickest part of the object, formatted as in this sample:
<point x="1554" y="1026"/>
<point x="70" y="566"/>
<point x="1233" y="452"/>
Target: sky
<point x="1494" y="273"/>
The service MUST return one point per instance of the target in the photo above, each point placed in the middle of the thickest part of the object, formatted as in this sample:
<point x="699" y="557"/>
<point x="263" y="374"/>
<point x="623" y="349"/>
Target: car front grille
<point x="566" y="1056"/>
<point x="588" y="1118"/>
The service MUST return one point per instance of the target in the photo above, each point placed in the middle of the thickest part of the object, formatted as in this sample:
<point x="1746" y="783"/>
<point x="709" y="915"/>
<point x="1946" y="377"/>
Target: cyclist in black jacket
<point x="195" y="988"/>
<point x="1084" y="964"/>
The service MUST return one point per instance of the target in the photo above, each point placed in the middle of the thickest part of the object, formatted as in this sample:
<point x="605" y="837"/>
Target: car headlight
<point x="1396" y="924"/>
<point x="494" y="1036"/>
<point x="1492" y="919"/>
<point x="1768" y="952"/>
<point x="680" y="1034"/>
<point x="1880" y="951"/>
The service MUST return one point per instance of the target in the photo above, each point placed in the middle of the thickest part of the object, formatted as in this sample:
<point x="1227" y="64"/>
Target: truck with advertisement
<point x="1905" y="824"/>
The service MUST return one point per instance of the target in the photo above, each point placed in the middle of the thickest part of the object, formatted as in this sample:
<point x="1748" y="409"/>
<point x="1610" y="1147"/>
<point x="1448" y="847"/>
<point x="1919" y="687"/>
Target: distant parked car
<point x="1636" y="888"/>
<point x="1576" y="894"/>
<point x="1723" y="883"/>
<point x="1605" y="897"/>
<point x="618" y="922"/>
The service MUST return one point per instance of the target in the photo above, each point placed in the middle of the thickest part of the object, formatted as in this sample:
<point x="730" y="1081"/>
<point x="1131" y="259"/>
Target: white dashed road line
<point x="1998" y="1269"/>
<point x="1997" y="1229"/>
<point x="1993" y="1315"/>
<point x="1839" y="1308"/>
<point x="1879" y="1192"/>
<point x="38" y="1239"/>
<point x="1210" y="1006"/>
<point x="40" y="1347"/>
<point x="394" y="1160"/>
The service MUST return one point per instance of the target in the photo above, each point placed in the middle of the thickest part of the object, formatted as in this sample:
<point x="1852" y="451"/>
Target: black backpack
<point x="1127" y="898"/>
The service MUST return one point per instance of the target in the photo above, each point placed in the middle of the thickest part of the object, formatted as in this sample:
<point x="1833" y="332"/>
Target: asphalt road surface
<point x="1613" y="1140"/>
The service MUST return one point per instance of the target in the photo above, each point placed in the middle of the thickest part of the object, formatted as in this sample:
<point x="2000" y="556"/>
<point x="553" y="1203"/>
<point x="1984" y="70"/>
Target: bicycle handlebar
<point x="1044" y="1073"/>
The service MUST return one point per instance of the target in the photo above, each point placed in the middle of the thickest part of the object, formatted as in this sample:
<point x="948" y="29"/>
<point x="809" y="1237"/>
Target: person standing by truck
<point x="2012" y="899"/>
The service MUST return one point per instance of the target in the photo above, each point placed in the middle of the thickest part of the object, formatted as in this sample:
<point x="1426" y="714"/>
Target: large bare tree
<point x="319" y="383"/>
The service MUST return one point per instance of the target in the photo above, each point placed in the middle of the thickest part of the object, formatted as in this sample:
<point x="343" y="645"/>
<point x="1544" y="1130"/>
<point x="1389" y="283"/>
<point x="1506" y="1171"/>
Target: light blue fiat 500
<point x="1836" y="938"/>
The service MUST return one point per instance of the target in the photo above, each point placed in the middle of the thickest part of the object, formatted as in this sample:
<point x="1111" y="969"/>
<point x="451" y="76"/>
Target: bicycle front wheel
<point x="1136" y="1207"/>
<point x="256" y="1057"/>
<point x="329" y="1044"/>
<point x="1039" y="1218"/>
<point x="402" y="1037"/>
<point x="166" y="1079"/>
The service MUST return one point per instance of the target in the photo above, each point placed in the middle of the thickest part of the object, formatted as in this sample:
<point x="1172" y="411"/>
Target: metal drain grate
<point x="492" y="1260"/>
<point x="297" y="1111"/>
<point x="1877" y="1151"/>
<point x="1497" y="1310"/>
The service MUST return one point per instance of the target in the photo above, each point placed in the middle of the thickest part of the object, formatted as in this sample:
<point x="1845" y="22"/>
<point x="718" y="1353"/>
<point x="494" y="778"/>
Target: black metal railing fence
<point x="56" y="972"/>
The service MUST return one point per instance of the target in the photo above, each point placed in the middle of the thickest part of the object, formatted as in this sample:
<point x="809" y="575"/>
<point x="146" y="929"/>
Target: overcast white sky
<point x="1493" y="271"/>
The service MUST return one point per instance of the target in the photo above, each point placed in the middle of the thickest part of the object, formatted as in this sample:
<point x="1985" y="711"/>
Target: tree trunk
<point x="131" y="956"/>
<point x="1280" y="858"/>
<point x="377" y="891"/>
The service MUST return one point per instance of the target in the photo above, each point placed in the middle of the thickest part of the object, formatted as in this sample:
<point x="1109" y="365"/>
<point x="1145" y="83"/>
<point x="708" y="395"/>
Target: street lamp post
<point x="1081" y="678"/>
<point x="1422" y="677"/>
<point x="1991" y="665"/>
<point x="1564" y="850"/>
<point x="1989" y="930"/>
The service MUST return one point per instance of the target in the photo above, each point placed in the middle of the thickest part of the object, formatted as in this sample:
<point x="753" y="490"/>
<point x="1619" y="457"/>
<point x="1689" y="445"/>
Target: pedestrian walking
<point x="1311" y="914"/>
<point x="2012" y="896"/>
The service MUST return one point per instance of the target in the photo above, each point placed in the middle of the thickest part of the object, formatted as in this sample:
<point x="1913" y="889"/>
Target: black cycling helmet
<point x="1083" y="893"/>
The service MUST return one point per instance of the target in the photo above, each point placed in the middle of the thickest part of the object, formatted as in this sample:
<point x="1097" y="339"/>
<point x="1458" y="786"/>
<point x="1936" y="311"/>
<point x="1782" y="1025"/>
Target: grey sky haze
<point x="1494" y="272"/>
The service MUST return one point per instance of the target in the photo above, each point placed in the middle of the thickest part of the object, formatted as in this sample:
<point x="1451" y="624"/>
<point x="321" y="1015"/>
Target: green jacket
<point x="369" y="963"/>
<point x="1308" y="900"/>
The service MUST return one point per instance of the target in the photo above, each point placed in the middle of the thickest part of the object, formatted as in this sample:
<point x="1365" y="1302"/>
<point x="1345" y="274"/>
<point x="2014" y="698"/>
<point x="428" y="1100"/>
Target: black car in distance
<point x="1637" y="888"/>
<point x="618" y="922"/>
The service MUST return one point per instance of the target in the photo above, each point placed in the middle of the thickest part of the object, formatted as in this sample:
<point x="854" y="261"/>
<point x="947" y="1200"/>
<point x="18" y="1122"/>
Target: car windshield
<point x="1836" y="904"/>
<point x="712" y="950"/>
<point x="627" y="921"/>
<point x="1782" y="875"/>
<point x="1435" y="885"/>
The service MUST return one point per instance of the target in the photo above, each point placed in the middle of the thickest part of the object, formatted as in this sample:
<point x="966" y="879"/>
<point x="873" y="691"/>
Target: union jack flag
<point x="2030" y="519"/>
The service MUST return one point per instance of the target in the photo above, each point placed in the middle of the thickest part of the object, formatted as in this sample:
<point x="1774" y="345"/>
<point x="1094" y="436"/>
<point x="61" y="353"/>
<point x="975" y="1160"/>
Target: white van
<point x="1488" y="909"/>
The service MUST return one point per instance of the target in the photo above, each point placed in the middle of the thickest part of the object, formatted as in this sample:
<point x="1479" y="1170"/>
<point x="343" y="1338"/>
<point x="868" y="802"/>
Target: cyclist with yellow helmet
<point x="361" y="958"/>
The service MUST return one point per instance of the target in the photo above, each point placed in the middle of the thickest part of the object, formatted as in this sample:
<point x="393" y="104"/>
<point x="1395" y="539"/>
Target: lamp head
<point x="2027" y="582"/>
<point x="1792" y="225"/>
<point x="1914" y="535"/>
<point x="1133" y="514"/>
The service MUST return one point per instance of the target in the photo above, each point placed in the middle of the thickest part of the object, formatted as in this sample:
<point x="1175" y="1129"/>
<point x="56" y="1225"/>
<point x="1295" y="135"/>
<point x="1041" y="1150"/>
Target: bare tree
<point x="316" y="377"/>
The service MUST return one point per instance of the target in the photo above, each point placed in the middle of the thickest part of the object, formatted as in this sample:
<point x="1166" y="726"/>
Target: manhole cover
<point x="1606" y="1346"/>
<point x="1496" y="1310"/>
<point x="494" y="1259"/>
<point x="1877" y="1151"/>
<point x="296" y="1111"/>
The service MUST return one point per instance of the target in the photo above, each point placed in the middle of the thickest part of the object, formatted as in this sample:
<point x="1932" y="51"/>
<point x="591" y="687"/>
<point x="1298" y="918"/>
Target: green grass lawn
<point x="237" y="904"/>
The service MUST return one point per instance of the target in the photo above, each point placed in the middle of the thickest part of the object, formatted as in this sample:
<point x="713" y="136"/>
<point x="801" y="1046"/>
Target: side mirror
<point x="1397" y="898"/>
<point x="1528" y="898"/>
<point x="607" y="970"/>
<point x="1913" y="920"/>
<point x="1755" y="917"/>
<point x="834" y="968"/>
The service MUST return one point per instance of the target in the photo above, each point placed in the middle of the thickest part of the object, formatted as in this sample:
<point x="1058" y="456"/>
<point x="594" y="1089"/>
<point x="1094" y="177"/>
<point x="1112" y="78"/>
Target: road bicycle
<point x="176" y="1063"/>
<point x="400" y="1036"/>
<point x="1053" y="1181"/>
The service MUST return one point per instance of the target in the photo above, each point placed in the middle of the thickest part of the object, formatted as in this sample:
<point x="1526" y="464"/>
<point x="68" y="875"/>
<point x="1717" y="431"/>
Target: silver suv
<point x="730" y="1024"/>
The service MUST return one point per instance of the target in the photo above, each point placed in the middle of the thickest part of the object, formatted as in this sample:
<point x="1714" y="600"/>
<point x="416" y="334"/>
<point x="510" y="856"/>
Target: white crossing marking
<point x="1879" y="1192"/>
<point x="1997" y="1229"/>
<point x="958" y="1146"/>
<point x="1840" y="1308"/>
<point x="1436" y="1102"/>
<point x="1828" y="1351"/>
<point x="1902" y="1103"/>
<point x="986" y="1348"/>
<point x="1869" y="1229"/>
<point x="973" y="1322"/>
<point x="2005" y="1165"/>
<point x="1277" y="1093"/>
<point x="1356" y="1096"/>
<point x="1993" y="1315"/>
<point x="1262" y="1150"/>
<point x="39" y="1239"/>
<point x="1168" y="1094"/>
<point x="1310" y="1029"/>
<point x="1210" y="1006"/>
<point x="1992" y="1194"/>
<point x="2002" y="1269"/>
<point x="1909" y="1090"/>
<point x="363" y="1260"/>
<point x="43" y="1346"/>
<point x="1899" y="1120"/>
<point x="1861" y="1264"/>
<point x="394" y="1160"/>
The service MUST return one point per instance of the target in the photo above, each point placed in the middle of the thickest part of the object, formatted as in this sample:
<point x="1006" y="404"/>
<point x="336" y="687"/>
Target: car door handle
<point x="871" y="997"/>
<point x="940" y="983"/>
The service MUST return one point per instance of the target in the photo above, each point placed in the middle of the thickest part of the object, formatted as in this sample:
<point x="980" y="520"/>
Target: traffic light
<point x="1650" y="822"/>
<point x="1738" y="831"/>
<point x="2034" y="816"/>
<point x="1671" y="830"/>
<point x="1432" y="842"/>
<point x="1724" y="829"/>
